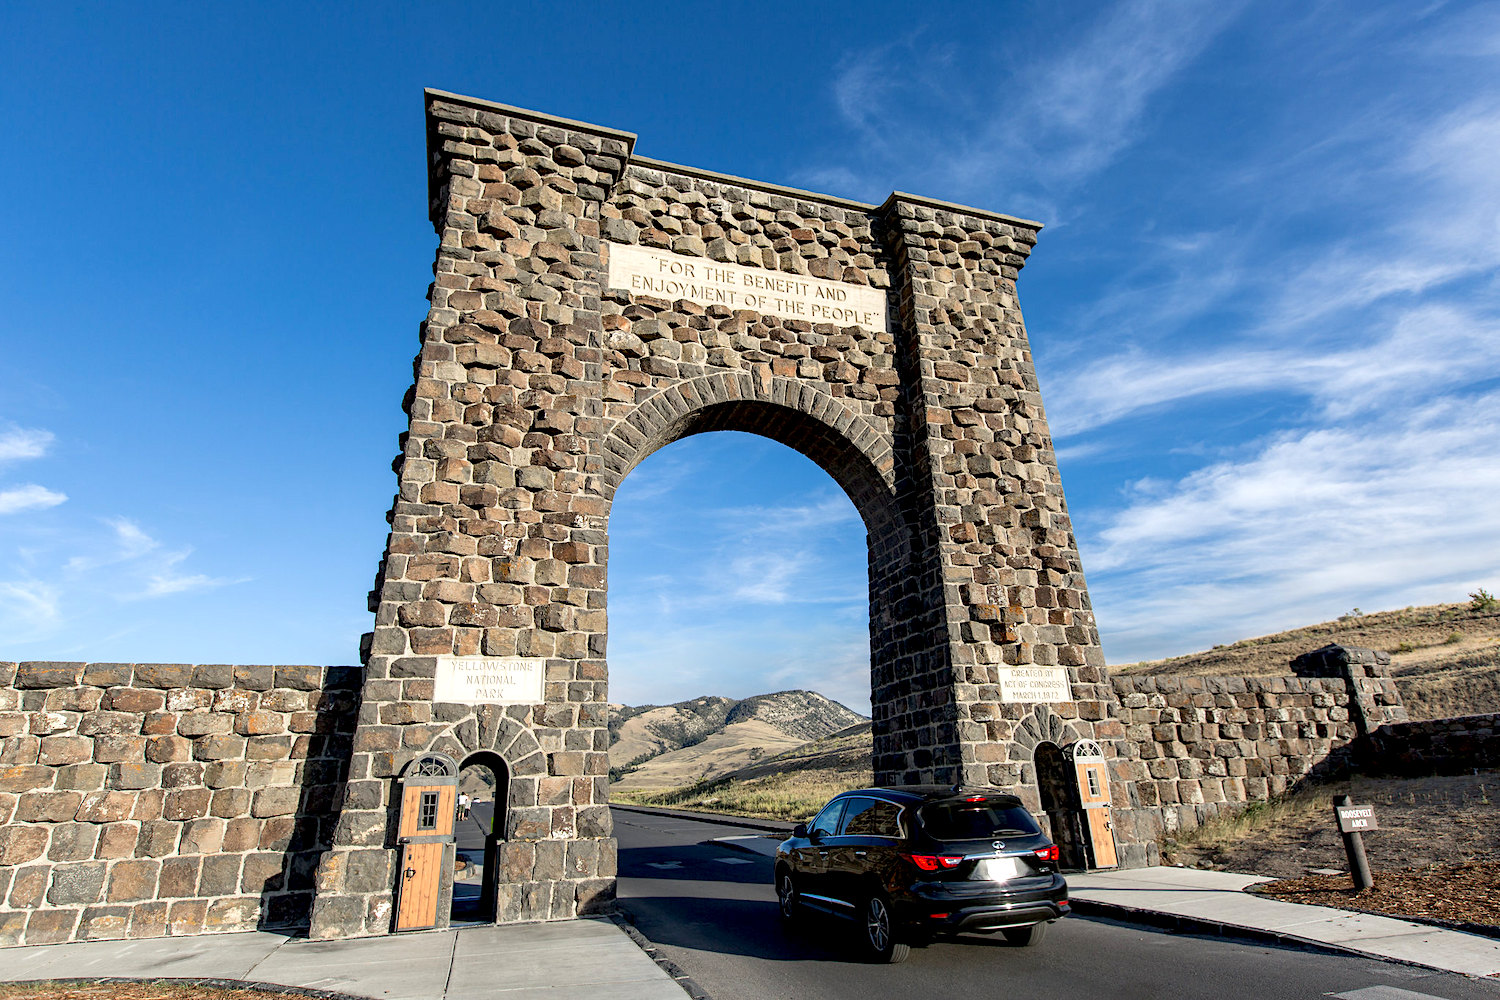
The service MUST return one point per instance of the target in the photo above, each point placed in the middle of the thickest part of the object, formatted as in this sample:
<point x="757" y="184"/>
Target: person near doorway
<point x="463" y="805"/>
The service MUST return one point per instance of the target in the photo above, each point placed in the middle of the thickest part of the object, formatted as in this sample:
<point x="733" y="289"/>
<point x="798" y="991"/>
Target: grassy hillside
<point x="788" y="786"/>
<point x="668" y="746"/>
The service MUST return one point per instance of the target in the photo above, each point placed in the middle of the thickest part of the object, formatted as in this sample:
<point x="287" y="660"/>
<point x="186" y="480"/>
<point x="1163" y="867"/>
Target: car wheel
<point x="880" y="932"/>
<point x="1026" y="937"/>
<point x="786" y="896"/>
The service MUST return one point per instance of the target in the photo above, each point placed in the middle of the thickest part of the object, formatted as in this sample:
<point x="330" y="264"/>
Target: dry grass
<point x="1442" y="820"/>
<point x="791" y="797"/>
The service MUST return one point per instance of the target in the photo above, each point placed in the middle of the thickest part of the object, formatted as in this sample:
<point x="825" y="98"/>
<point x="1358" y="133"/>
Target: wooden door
<point x="420" y="886"/>
<point x="1093" y="794"/>
<point x="424" y="832"/>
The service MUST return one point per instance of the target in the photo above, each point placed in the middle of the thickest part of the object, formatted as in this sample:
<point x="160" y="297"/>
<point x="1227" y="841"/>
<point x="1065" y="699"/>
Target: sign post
<point x="1352" y="821"/>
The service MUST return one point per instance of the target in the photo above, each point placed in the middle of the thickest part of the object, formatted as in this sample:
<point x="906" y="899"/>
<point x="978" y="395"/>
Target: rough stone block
<point x="163" y="675"/>
<point x="186" y="918"/>
<point x="48" y="674"/>
<point x="51" y="926"/>
<point x="20" y="844"/>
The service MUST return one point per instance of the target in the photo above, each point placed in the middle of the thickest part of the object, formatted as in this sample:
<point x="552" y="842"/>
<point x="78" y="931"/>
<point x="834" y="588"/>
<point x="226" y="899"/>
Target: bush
<point x="1483" y="600"/>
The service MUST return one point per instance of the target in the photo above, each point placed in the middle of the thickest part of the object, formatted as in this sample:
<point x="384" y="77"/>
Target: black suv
<point x="911" y="861"/>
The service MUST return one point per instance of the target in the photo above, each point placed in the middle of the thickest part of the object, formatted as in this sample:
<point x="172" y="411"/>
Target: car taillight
<point x="1049" y="853"/>
<point x="934" y="862"/>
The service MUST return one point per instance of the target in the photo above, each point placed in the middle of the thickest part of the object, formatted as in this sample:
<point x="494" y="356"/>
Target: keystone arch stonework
<point x="538" y="387"/>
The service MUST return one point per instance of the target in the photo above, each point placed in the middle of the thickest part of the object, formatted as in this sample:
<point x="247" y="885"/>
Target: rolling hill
<point x="668" y="746"/>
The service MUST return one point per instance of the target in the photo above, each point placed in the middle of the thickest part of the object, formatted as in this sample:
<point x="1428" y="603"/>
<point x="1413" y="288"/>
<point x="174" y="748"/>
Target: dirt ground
<point x="128" y="991"/>
<point x="1465" y="893"/>
<point x="1433" y="855"/>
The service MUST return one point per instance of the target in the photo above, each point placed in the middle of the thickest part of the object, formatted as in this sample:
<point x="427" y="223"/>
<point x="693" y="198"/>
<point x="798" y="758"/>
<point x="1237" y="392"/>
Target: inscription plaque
<point x="645" y="271"/>
<point x="1034" y="684"/>
<point x="486" y="680"/>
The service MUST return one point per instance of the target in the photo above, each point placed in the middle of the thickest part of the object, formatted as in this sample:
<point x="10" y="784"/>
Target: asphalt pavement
<point x="707" y="905"/>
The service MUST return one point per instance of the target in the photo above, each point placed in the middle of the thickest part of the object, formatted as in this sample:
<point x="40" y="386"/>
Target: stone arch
<point x="1040" y="725"/>
<point x="794" y="413"/>
<point x="491" y="730"/>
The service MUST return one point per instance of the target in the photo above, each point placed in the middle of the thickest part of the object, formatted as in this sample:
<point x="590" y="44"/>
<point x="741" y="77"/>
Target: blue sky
<point x="1264" y="311"/>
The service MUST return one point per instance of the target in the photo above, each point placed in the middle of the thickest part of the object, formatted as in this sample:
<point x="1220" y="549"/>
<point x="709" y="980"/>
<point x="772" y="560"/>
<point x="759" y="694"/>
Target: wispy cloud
<point x="18" y="443"/>
<point x="1084" y="105"/>
<point x="29" y="610"/>
<point x="66" y="573"/>
<point x="1035" y="127"/>
<point x="28" y="496"/>
<point x="1428" y="348"/>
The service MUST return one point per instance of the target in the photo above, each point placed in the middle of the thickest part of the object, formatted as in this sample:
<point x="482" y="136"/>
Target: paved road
<point x="710" y="908"/>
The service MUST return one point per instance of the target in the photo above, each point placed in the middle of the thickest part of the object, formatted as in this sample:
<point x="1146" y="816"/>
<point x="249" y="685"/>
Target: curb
<point x="270" y="989"/>
<point x="771" y="826"/>
<point x="623" y="920"/>
<point x="1218" y="928"/>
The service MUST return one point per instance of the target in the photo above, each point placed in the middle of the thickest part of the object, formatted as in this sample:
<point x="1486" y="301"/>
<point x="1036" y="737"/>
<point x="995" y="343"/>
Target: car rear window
<point x="961" y="820"/>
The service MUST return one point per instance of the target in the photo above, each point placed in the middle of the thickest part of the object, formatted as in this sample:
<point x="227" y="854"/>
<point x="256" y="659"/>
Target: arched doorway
<point x="1058" y="790"/>
<point x="483" y="788"/>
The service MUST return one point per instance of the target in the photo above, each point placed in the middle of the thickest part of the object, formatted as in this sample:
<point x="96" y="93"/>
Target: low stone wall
<point x="1437" y="746"/>
<point x="147" y="799"/>
<point x="1196" y="747"/>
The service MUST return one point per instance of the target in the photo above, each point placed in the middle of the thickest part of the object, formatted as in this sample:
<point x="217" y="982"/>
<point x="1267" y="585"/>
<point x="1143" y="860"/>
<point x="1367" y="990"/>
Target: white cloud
<point x="28" y="496"/>
<point x="1311" y="523"/>
<point x="1047" y="123"/>
<point x="20" y="443"/>
<point x="1426" y="349"/>
<point x="1085" y="106"/>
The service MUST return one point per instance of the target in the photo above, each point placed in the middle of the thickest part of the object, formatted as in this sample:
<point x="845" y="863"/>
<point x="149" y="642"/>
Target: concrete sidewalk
<point x="1217" y="903"/>
<point x="590" y="957"/>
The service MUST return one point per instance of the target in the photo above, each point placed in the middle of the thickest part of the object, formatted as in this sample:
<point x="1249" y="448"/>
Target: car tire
<point x="878" y="932"/>
<point x="786" y="897"/>
<point x="1026" y="937"/>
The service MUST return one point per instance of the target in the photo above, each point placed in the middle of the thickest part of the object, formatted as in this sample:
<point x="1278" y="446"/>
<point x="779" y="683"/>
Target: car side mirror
<point x="800" y="830"/>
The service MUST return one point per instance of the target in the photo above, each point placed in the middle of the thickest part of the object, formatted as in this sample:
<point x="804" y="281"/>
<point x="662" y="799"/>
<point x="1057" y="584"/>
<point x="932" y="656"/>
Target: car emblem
<point x="998" y="845"/>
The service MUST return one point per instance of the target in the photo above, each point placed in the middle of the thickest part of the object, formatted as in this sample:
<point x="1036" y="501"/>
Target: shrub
<point x="1483" y="600"/>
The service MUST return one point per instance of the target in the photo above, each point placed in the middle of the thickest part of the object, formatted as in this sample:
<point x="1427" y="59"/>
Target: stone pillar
<point x="497" y="543"/>
<point x="1002" y="581"/>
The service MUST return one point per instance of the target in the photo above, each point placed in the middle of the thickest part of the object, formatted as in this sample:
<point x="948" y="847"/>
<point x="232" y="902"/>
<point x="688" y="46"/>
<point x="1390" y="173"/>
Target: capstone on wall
<point x="149" y="799"/>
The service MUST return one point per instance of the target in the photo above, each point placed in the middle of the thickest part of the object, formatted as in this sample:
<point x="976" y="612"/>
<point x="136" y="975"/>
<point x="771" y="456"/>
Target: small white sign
<point x="645" y="271"/>
<point x="1034" y="684"/>
<point x="484" y="680"/>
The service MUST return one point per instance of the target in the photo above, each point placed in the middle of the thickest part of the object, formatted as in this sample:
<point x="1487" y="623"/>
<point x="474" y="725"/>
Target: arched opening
<point x="738" y="569"/>
<point x="904" y="612"/>
<point x="1057" y="788"/>
<point x="479" y="827"/>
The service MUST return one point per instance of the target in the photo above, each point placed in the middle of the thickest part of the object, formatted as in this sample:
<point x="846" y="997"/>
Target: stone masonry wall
<point x="1196" y="747"/>
<point x="149" y="799"/>
<point x="1437" y="746"/>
